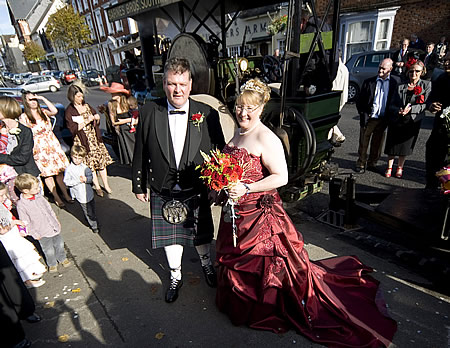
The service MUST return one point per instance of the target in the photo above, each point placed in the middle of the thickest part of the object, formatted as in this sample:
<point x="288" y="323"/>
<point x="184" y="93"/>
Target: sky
<point x="5" y="21"/>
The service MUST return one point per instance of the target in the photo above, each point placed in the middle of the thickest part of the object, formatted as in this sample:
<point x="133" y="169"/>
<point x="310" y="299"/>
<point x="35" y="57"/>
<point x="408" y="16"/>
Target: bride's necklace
<point x="249" y="130"/>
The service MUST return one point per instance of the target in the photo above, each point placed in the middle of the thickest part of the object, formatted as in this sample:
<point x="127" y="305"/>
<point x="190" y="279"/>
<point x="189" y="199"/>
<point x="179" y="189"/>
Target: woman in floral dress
<point x="47" y="152"/>
<point x="83" y="122"/>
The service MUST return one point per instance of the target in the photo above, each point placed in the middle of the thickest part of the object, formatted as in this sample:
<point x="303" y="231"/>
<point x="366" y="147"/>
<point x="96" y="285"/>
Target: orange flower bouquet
<point x="220" y="171"/>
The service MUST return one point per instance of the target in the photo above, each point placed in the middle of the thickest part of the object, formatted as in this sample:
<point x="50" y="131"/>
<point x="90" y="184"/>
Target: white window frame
<point x="109" y="25"/>
<point x="94" y="2"/>
<point x="99" y="22"/>
<point x="346" y="20"/>
<point x="119" y="25"/>
<point x="85" y="5"/>
<point x="90" y="25"/>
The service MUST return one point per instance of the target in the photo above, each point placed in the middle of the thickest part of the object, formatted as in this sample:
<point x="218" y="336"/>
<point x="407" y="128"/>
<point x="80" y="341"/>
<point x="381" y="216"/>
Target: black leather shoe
<point x="172" y="291"/>
<point x="360" y="170"/>
<point x="210" y="275"/>
<point x="33" y="318"/>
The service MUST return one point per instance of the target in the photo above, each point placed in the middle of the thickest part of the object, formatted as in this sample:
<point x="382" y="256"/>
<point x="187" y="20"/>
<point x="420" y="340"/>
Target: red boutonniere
<point x="420" y="99"/>
<point x="417" y="90"/>
<point x="197" y="118"/>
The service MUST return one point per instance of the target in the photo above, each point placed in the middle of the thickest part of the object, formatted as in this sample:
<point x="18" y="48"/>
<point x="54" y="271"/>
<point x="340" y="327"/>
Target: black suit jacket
<point x="365" y="100"/>
<point x="430" y="64"/>
<point x="21" y="157"/>
<point x="398" y="58"/>
<point x="154" y="159"/>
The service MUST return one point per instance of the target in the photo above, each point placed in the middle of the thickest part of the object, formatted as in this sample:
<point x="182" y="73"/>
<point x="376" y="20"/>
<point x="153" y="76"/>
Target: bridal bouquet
<point x="219" y="171"/>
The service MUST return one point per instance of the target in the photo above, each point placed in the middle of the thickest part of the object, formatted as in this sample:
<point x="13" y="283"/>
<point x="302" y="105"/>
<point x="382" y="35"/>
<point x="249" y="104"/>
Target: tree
<point x="33" y="51"/>
<point x="67" y="29"/>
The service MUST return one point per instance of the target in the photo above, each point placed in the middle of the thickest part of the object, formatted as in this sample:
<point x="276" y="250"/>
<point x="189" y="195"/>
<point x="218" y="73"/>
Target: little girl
<point x="134" y="112"/>
<point x="21" y="252"/>
<point x="7" y="173"/>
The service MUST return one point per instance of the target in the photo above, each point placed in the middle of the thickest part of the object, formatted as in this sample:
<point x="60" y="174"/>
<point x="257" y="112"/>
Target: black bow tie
<point x="177" y="112"/>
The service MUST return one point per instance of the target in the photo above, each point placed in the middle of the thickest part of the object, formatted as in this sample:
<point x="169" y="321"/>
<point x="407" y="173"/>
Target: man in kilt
<point x="170" y="135"/>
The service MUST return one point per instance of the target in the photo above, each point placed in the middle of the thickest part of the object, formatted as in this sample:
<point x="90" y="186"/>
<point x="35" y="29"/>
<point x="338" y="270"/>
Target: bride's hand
<point x="237" y="190"/>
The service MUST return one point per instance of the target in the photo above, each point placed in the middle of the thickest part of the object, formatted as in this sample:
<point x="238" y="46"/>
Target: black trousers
<point x="435" y="157"/>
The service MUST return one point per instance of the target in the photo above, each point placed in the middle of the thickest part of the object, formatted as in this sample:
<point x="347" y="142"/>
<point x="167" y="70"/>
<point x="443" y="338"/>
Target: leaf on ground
<point x="63" y="338"/>
<point x="49" y="304"/>
<point x="124" y="259"/>
<point x="76" y="290"/>
<point x="159" y="335"/>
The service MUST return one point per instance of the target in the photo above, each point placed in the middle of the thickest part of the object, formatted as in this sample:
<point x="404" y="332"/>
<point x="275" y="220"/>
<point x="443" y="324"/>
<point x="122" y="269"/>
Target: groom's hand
<point x="143" y="197"/>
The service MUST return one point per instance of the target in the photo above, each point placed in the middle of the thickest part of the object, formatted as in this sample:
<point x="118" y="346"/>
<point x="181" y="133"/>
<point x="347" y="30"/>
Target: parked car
<point x="41" y="84"/>
<point x="91" y="77"/>
<point x="68" y="76"/>
<point x="17" y="79"/>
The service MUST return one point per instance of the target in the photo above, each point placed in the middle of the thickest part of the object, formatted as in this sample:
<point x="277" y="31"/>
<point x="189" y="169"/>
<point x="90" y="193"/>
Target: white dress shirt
<point x="178" y="128"/>
<point x="380" y="98"/>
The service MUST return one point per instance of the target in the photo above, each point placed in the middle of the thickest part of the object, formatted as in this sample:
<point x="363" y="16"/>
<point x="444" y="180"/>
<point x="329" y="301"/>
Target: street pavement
<point x="113" y="293"/>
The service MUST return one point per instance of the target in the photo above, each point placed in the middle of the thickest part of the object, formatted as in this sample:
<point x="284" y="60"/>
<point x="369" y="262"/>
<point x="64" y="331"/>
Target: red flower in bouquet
<point x="219" y="170"/>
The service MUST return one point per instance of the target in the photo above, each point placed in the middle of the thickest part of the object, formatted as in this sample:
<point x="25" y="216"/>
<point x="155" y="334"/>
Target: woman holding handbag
<point x="409" y="105"/>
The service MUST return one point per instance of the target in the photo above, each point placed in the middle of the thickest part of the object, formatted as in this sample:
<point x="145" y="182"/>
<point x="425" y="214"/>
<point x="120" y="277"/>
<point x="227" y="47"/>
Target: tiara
<point x="252" y="86"/>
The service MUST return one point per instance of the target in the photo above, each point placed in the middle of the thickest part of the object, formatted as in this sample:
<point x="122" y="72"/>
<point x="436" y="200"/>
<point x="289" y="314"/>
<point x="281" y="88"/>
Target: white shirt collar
<point x="185" y="107"/>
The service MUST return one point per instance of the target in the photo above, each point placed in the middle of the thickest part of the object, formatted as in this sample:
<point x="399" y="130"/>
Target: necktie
<point x="177" y="112"/>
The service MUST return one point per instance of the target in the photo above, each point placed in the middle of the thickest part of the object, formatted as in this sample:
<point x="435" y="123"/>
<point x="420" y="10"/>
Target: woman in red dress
<point x="267" y="281"/>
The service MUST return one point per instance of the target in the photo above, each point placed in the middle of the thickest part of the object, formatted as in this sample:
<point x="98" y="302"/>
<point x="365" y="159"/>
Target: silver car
<point x="41" y="84"/>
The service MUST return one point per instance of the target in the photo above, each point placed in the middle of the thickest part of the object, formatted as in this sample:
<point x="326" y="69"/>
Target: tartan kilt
<point x="197" y="231"/>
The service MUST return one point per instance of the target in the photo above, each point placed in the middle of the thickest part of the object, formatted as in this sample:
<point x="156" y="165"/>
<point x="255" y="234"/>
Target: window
<point x="359" y="37"/>
<point x="109" y="25"/>
<point x="98" y="18"/>
<point x="374" y="60"/>
<point x="360" y="62"/>
<point x="119" y="25"/>
<point x="91" y="27"/>
<point x="366" y="31"/>
<point x="382" y="37"/>
<point x="233" y="50"/>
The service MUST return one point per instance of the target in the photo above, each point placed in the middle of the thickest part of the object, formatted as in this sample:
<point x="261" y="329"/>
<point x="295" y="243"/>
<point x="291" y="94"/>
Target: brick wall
<point x="428" y="19"/>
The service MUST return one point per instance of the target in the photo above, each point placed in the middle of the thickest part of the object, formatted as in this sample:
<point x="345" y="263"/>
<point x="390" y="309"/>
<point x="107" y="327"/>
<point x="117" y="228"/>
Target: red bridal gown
<point x="268" y="282"/>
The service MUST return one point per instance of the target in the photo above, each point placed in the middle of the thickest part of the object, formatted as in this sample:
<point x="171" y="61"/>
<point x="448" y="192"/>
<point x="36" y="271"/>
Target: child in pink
<point x="21" y="252"/>
<point x="42" y="223"/>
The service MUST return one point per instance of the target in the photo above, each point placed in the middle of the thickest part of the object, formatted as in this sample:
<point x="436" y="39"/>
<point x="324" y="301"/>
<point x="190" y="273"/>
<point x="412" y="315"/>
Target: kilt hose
<point x="198" y="229"/>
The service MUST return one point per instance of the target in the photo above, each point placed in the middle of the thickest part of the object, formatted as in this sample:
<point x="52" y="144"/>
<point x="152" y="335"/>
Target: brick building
<point x="112" y="41"/>
<point x="382" y="24"/>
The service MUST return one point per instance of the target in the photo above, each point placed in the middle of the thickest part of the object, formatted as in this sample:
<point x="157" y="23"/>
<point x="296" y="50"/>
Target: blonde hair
<point x="78" y="150"/>
<point x="255" y="92"/>
<point x="25" y="181"/>
<point x="132" y="102"/>
<point x="10" y="108"/>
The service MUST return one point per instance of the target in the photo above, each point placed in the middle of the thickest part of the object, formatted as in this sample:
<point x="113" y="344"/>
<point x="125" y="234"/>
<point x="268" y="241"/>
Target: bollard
<point x="349" y="218"/>
<point x="335" y="192"/>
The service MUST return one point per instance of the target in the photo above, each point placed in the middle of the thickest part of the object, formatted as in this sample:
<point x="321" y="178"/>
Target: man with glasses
<point x="438" y="145"/>
<point x="170" y="135"/>
<point x="372" y="104"/>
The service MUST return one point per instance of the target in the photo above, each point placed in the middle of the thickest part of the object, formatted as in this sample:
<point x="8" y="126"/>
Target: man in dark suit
<point x="400" y="58"/>
<point x="430" y="60"/>
<point x="373" y="108"/>
<point x="170" y="135"/>
<point x="437" y="153"/>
